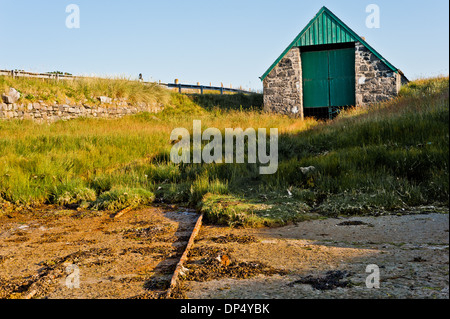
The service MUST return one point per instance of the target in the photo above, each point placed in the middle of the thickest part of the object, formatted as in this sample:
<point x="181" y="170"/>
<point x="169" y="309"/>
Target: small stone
<point x="307" y="170"/>
<point x="105" y="99"/>
<point x="12" y="97"/>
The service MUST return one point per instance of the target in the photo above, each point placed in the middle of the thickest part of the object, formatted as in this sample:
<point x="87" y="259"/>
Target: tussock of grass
<point x="203" y="185"/>
<point x="229" y="210"/>
<point x="123" y="197"/>
<point x="72" y="193"/>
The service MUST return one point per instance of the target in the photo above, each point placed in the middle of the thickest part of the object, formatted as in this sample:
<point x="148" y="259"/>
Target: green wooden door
<point x="315" y="79"/>
<point x="342" y="77"/>
<point x="328" y="78"/>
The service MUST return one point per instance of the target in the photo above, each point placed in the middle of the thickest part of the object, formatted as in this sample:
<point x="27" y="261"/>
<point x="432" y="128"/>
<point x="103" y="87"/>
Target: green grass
<point x="119" y="198"/>
<point x="385" y="158"/>
<point x="227" y="102"/>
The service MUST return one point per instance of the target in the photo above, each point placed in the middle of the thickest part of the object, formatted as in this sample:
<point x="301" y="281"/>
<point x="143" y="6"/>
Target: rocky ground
<point x="123" y="257"/>
<point x="134" y="256"/>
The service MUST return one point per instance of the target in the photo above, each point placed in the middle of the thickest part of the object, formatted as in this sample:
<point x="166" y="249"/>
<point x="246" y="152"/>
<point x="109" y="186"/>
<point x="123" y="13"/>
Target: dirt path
<point x="331" y="255"/>
<point x="131" y="256"/>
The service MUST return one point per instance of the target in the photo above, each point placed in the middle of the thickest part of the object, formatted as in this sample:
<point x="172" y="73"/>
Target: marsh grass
<point x="385" y="158"/>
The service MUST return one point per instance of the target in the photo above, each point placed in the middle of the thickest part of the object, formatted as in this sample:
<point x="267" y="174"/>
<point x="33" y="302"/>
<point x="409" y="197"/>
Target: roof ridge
<point x="323" y="10"/>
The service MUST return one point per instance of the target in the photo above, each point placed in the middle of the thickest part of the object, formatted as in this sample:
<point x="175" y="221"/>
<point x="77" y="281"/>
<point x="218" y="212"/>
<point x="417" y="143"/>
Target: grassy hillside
<point x="84" y="90"/>
<point x="389" y="158"/>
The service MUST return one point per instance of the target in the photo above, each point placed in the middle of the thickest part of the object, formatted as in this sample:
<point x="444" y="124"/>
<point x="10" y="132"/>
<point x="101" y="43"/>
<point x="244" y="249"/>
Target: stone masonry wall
<point x="375" y="81"/>
<point x="283" y="85"/>
<point x="44" y="112"/>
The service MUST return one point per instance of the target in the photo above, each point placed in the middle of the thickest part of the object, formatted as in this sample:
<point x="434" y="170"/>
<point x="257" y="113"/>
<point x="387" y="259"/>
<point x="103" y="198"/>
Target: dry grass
<point x="84" y="90"/>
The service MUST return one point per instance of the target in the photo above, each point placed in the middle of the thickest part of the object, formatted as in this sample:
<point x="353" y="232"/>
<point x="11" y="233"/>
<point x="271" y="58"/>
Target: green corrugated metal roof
<point x="326" y="28"/>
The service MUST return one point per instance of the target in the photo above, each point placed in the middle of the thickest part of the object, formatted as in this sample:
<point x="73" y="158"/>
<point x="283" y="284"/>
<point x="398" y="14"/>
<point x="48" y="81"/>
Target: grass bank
<point x="387" y="158"/>
<point x="84" y="90"/>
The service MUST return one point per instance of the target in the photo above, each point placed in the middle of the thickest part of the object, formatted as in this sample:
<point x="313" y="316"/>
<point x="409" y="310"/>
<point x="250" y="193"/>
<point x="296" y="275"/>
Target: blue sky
<point x="230" y="42"/>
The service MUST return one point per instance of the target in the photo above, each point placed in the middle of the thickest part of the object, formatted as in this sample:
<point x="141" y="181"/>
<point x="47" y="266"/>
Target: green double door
<point x="328" y="78"/>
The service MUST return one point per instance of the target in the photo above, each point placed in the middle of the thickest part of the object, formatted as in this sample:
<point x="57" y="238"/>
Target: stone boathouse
<point x="328" y="67"/>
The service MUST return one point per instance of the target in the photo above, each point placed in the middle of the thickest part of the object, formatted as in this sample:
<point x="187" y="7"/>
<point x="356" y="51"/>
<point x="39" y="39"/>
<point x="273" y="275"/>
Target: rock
<point x="308" y="170"/>
<point x="105" y="99"/>
<point x="6" y="99"/>
<point x="12" y="97"/>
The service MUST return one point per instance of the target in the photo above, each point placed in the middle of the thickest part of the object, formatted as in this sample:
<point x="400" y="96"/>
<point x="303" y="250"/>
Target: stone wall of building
<point x="283" y="85"/>
<point x="375" y="81"/>
<point x="44" y="112"/>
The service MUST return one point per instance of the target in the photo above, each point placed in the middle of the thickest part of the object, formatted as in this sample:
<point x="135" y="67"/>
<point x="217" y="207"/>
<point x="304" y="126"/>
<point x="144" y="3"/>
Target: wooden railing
<point x="203" y="88"/>
<point x="25" y="74"/>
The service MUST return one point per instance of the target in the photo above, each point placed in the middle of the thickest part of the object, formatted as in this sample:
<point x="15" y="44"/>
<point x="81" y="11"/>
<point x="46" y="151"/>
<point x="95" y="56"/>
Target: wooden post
<point x="179" y="85"/>
<point x="201" y="90"/>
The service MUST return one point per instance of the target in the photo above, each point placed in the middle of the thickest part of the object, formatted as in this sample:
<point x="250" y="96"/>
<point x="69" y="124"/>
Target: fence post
<point x="201" y="90"/>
